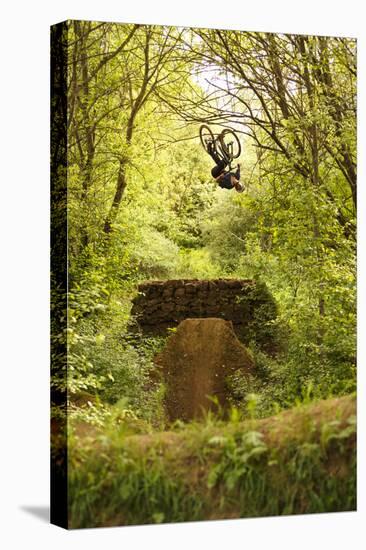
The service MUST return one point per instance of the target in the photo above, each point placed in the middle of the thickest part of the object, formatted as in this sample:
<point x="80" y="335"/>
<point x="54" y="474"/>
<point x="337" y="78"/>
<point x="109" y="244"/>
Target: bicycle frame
<point x="224" y="150"/>
<point x="220" y="151"/>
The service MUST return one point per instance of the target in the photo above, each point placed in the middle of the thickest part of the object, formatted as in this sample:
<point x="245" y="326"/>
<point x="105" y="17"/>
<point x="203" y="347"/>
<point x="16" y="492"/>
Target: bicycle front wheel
<point x="230" y="143"/>
<point x="206" y="136"/>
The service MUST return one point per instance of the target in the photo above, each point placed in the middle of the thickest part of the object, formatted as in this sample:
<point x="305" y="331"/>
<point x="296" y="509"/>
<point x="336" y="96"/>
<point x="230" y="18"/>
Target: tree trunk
<point x="120" y="188"/>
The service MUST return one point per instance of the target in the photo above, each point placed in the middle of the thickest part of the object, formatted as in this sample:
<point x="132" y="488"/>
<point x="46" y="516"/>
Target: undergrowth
<point x="205" y="471"/>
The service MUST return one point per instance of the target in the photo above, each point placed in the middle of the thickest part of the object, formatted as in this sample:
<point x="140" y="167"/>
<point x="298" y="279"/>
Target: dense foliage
<point x="235" y="470"/>
<point x="142" y="205"/>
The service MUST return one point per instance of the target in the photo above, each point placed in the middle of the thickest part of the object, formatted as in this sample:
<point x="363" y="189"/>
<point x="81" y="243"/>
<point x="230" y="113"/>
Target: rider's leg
<point x="214" y="154"/>
<point x="220" y="167"/>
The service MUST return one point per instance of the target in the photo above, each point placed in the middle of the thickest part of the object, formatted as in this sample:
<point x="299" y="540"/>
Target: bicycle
<point x="220" y="144"/>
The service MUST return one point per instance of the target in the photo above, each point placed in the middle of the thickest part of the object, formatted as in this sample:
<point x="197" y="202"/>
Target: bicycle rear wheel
<point x="230" y="143"/>
<point x="206" y="136"/>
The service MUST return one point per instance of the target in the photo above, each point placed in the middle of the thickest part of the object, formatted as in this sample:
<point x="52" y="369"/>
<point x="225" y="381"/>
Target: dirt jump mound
<point x="195" y="363"/>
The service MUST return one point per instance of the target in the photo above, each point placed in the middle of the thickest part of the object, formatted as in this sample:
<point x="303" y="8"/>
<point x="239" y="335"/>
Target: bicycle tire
<point x="224" y="133"/>
<point x="205" y="129"/>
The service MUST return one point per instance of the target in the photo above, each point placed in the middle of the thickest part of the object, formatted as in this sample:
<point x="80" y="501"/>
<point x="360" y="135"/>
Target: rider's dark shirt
<point x="225" y="183"/>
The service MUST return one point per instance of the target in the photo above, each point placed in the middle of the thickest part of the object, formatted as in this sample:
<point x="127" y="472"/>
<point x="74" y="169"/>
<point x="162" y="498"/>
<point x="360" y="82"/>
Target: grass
<point x="300" y="461"/>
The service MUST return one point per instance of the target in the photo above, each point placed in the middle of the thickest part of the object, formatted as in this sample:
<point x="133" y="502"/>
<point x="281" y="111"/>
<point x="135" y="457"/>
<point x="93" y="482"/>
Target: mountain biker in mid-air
<point x="225" y="178"/>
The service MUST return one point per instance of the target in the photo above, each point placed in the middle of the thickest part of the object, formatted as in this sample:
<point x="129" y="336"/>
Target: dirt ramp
<point x="195" y="363"/>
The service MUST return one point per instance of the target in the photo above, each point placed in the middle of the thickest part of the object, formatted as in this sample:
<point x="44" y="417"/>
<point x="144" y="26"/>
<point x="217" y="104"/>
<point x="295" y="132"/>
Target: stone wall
<point x="164" y="304"/>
